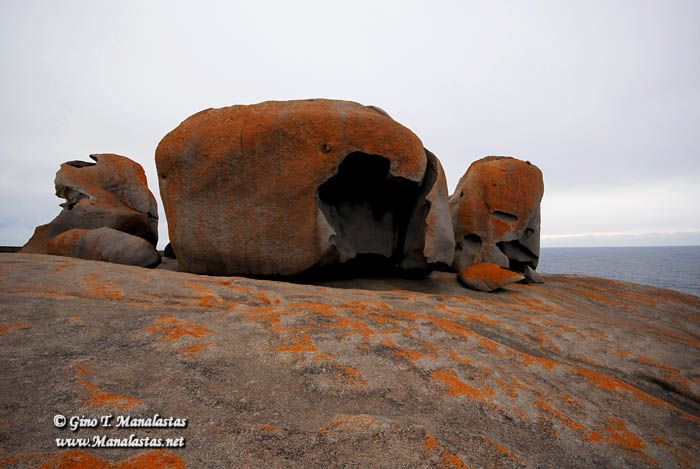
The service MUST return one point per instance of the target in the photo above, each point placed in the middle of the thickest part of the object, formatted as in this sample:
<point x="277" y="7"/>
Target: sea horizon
<point x="673" y="267"/>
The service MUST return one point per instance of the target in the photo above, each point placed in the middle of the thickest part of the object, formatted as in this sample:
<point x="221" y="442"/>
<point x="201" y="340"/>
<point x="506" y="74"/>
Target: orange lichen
<point x="651" y="362"/>
<point x="59" y="267"/>
<point x="490" y="344"/>
<point x="512" y="391"/>
<point x="103" y="289"/>
<point x="356" y="422"/>
<point x="528" y="359"/>
<point x="172" y="328"/>
<point x="460" y="358"/>
<point x="447" y="458"/>
<point x="15" y="326"/>
<point x="457" y="387"/>
<point x="79" y="459"/>
<point x="618" y="434"/>
<point x="320" y="357"/>
<point x="267" y="299"/>
<point x="100" y="397"/>
<point x="562" y="416"/>
<point x="82" y="370"/>
<point x="431" y="442"/>
<point x="684" y="458"/>
<point x="351" y="374"/>
<point x="412" y="355"/>
<point x="207" y="296"/>
<point x="195" y="348"/>
<point x="501" y="449"/>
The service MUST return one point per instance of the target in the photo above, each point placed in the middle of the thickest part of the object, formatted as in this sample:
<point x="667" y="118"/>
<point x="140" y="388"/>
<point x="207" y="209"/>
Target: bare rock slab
<point x="579" y="372"/>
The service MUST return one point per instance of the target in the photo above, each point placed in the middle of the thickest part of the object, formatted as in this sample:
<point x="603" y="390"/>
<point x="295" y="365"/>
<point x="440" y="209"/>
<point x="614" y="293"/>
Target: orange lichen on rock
<point x="112" y="192"/>
<point x="651" y="362"/>
<point x="501" y="449"/>
<point x="15" y="326"/>
<point x="100" y="397"/>
<point x="357" y="422"/>
<point x="80" y="459"/>
<point x="351" y="374"/>
<point x="266" y="427"/>
<point x="172" y="328"/>
<point x="529" y="360"/>
<point x="207" y="296"/>
<point x="294" y="158"/>
<point x="457" y="387"/>
<point x="194" y="348"/>
<point x="562" y="416"/>
<point x="412" y="355"/>
<point x="684" y="458"/>
<point x="495" y="213"/>
<point x="618" y="434"/>
<point x="610" y="383"/>
<point x="103" y="289"/>
<point x="447" y="458"/>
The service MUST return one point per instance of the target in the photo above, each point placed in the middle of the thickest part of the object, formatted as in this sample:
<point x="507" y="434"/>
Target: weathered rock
<point x="582" y="372"/>
<point x="112" y="192"/>
<point x="104" y="244"/>
<point x="487" y="277"/>
<point x="496" y="214"/>
<point x="288" y="187"/>
<point x="531" y="275"/>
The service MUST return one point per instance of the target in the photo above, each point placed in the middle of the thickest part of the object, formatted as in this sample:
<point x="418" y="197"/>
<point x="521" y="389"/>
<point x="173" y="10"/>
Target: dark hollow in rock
<point x="369" y="211"/>
<point x="169" y="251"/>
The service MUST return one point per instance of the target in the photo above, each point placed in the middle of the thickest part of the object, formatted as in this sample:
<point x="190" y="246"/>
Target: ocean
<point x="673" y="267"/>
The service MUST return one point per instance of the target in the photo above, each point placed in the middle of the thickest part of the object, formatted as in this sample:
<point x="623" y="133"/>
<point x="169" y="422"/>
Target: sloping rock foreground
<point x="579" y="372"/>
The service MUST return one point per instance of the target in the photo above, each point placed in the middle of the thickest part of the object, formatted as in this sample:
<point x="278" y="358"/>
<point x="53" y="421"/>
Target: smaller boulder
<point x="487" y="277"/>
<point x="105" y="244"/>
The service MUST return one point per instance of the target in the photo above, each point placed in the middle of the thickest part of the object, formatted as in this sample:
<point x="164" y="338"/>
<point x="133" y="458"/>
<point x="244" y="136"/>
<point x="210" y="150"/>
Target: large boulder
<point x="105" y="244"/>
<point x="288" y="187"/>
<point x="111" y="192"/>
<point x="495" y="213"/>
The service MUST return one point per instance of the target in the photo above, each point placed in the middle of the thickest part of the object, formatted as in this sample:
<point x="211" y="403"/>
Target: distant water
<point x="673" y="267"/>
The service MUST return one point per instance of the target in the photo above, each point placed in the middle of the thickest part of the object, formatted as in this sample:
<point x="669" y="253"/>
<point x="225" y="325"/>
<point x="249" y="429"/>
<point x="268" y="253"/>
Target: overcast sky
<point x="603" y="96"/>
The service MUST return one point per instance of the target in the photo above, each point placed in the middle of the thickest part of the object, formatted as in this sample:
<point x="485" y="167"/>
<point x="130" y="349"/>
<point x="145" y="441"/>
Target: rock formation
<point x="487" y="277"/>
<point x="282" y="188"/>
<point x="111" y="192"/>
<point x="104" y="244"/>
<point x="496" y="214"/>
